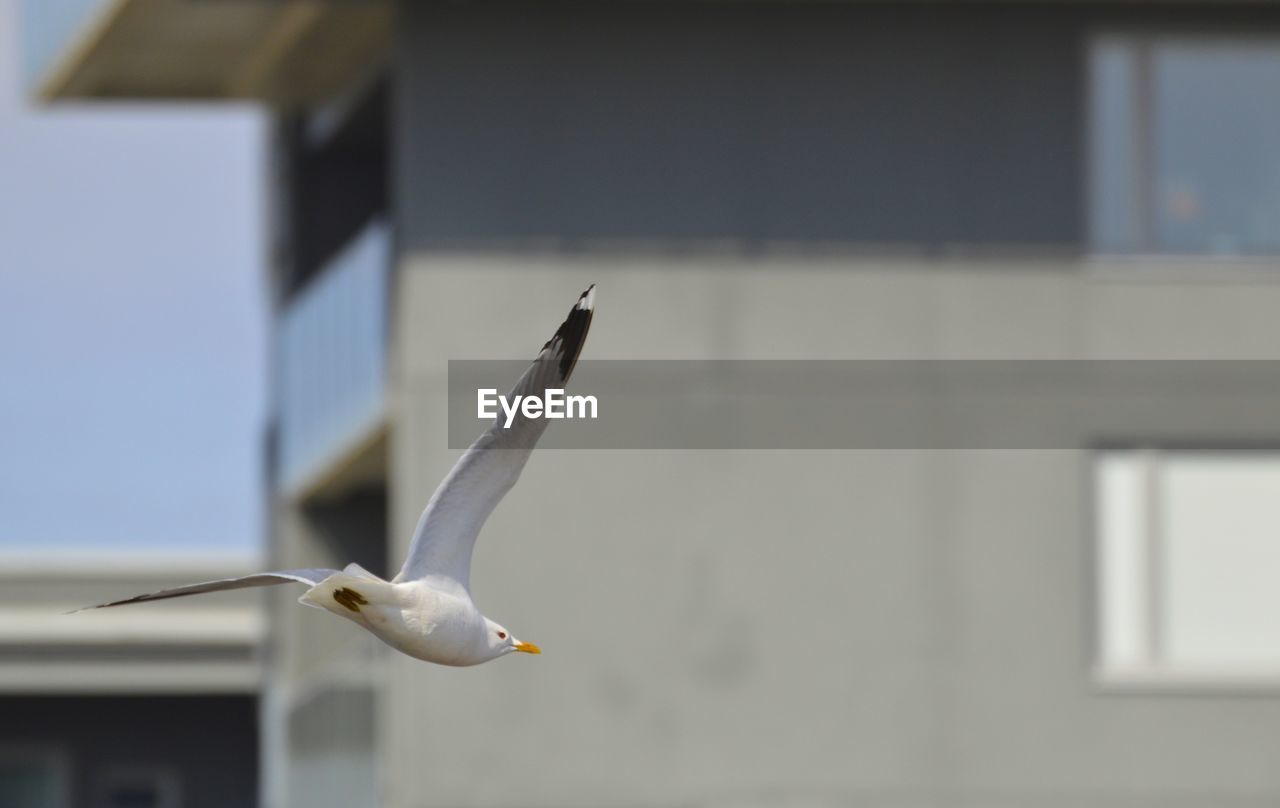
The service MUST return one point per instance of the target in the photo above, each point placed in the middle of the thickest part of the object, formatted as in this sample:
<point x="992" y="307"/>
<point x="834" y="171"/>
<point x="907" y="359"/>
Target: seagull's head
<point x="502" y="642"/>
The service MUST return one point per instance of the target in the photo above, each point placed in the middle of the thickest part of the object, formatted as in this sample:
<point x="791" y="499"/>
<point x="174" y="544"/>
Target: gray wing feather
<point x="307" y="576"/>
<point x="447" y="530"/>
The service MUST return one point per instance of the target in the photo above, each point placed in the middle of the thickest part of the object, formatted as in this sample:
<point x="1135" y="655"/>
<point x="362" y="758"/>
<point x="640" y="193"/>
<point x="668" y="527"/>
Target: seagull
<point x="427" y="611"/>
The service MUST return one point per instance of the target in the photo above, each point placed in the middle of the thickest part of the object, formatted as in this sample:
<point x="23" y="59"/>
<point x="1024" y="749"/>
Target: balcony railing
<point x="50" y="31"/>
<point x="332" y="348"/>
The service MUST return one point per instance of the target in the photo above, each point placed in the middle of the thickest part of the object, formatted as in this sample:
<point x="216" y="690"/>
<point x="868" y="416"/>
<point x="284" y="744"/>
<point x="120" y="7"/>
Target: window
<point x="1188" y="565"/>
<point x="1185" y="145"/>
<point x="139" y="787"/>
<point x="32" y="778"/>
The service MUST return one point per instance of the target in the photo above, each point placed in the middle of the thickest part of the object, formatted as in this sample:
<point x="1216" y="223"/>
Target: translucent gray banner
<point x="916" y="404"/>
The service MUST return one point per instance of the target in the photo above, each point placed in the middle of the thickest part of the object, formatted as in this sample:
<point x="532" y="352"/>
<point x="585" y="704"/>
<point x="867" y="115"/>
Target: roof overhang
<point x="193" y="646"/>
<point x="289" y="52"/>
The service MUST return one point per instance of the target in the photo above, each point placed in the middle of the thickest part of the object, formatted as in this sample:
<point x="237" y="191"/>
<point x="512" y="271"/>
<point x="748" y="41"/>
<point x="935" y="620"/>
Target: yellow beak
<point x="527" y="647"/>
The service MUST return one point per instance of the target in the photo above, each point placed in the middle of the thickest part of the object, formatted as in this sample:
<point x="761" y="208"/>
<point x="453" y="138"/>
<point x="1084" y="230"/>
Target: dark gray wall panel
<point x="919" y="124"/>
<point x="907" y="124"/>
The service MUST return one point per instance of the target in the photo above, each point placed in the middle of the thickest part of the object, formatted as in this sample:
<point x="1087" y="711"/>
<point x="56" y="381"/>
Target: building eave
<point x="286" y="53"/>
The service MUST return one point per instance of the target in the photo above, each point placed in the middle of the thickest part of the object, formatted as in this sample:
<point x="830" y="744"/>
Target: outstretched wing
<point x="447" y="529"/>
<point x="310" y="577"/>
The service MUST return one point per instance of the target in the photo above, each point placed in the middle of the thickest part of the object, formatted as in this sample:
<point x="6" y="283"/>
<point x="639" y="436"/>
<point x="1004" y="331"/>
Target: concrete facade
<point x="728" y="175"/>
<point x="735" y="198"/>
<point x="945" y="634"/>
<point x="150" y="705"/>
<point x="759" y="180"/>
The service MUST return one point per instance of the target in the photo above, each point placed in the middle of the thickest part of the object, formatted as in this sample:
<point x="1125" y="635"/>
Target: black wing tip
<point x="572" y="333"/>
<point x="97" y="606"/>
<point x="125" y="602"/>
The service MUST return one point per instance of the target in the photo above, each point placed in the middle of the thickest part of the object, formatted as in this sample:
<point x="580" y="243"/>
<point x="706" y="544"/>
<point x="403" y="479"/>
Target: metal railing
<point x="331" y="354"/>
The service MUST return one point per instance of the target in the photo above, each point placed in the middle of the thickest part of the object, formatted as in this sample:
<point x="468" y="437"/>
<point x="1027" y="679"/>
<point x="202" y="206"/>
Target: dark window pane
<point x="133" y="797"/>
<point x="1217" y="129"/>
<point x="28" y="784"/>
<point x="1185" y="145"/>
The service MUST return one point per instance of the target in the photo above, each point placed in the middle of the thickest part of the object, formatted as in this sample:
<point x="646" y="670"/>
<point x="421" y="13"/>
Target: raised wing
<point x="447" y="529"/>
<point x="310" y="577"/>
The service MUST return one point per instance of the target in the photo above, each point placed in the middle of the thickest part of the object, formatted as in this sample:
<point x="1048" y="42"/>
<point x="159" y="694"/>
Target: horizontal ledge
<point x="1208" y="681"/>
<point x="174" y="628"/>
<point x="125" y="677"/>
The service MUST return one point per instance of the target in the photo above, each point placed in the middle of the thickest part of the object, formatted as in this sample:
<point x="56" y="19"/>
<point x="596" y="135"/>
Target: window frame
<point x="1154" y="674"/>
<point x="1143" y="40"/>
<point x="54" y="759"/>
<point x="165" y="779"/>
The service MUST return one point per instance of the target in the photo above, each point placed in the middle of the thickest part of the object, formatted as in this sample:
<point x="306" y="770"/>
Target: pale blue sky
<point x="132" y="322"/>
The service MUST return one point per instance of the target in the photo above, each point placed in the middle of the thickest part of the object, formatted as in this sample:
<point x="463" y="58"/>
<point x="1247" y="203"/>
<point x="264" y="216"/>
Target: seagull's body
<point x="426" y="611"/>
<point x="414" y="617"/>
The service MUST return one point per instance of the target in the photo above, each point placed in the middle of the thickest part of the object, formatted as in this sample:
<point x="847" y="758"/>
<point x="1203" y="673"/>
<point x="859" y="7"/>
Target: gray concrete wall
<point x="322" y="673"/>
<point x="803" y="628"/>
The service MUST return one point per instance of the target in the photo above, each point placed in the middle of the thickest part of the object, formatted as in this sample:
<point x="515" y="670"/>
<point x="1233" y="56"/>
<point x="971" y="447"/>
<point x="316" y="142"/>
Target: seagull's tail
<point x="345" y="593"/>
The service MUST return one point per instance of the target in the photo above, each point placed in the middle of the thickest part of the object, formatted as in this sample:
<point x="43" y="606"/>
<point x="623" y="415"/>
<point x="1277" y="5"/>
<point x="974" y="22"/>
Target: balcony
<point x="290" y="52"/>
<point x="332" y="355"/>
<point x="186" y="646"/>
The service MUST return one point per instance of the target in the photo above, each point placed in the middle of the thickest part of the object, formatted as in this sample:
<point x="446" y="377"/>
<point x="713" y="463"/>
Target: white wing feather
<point x="310" y="577"/>
<point x="447" y="530"/>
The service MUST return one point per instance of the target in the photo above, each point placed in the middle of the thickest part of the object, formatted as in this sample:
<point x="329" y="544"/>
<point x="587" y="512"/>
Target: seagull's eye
<point x="502" y="635"/>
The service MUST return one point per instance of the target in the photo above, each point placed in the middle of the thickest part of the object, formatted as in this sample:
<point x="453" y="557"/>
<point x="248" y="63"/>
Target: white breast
<point x="431" y="625"/>
<point x="424" y="621"/>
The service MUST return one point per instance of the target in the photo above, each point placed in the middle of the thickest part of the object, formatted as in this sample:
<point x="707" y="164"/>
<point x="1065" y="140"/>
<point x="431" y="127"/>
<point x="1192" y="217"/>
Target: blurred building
<point x="1046" y="180"/>
<point x="128" y="708"/>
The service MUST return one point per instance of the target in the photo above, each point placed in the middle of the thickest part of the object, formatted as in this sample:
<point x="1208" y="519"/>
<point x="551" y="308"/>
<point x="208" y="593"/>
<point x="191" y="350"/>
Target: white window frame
<point x="1129" y="591"/>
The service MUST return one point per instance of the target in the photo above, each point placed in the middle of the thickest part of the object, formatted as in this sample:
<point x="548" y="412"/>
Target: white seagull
<point x="426" y="611"/>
